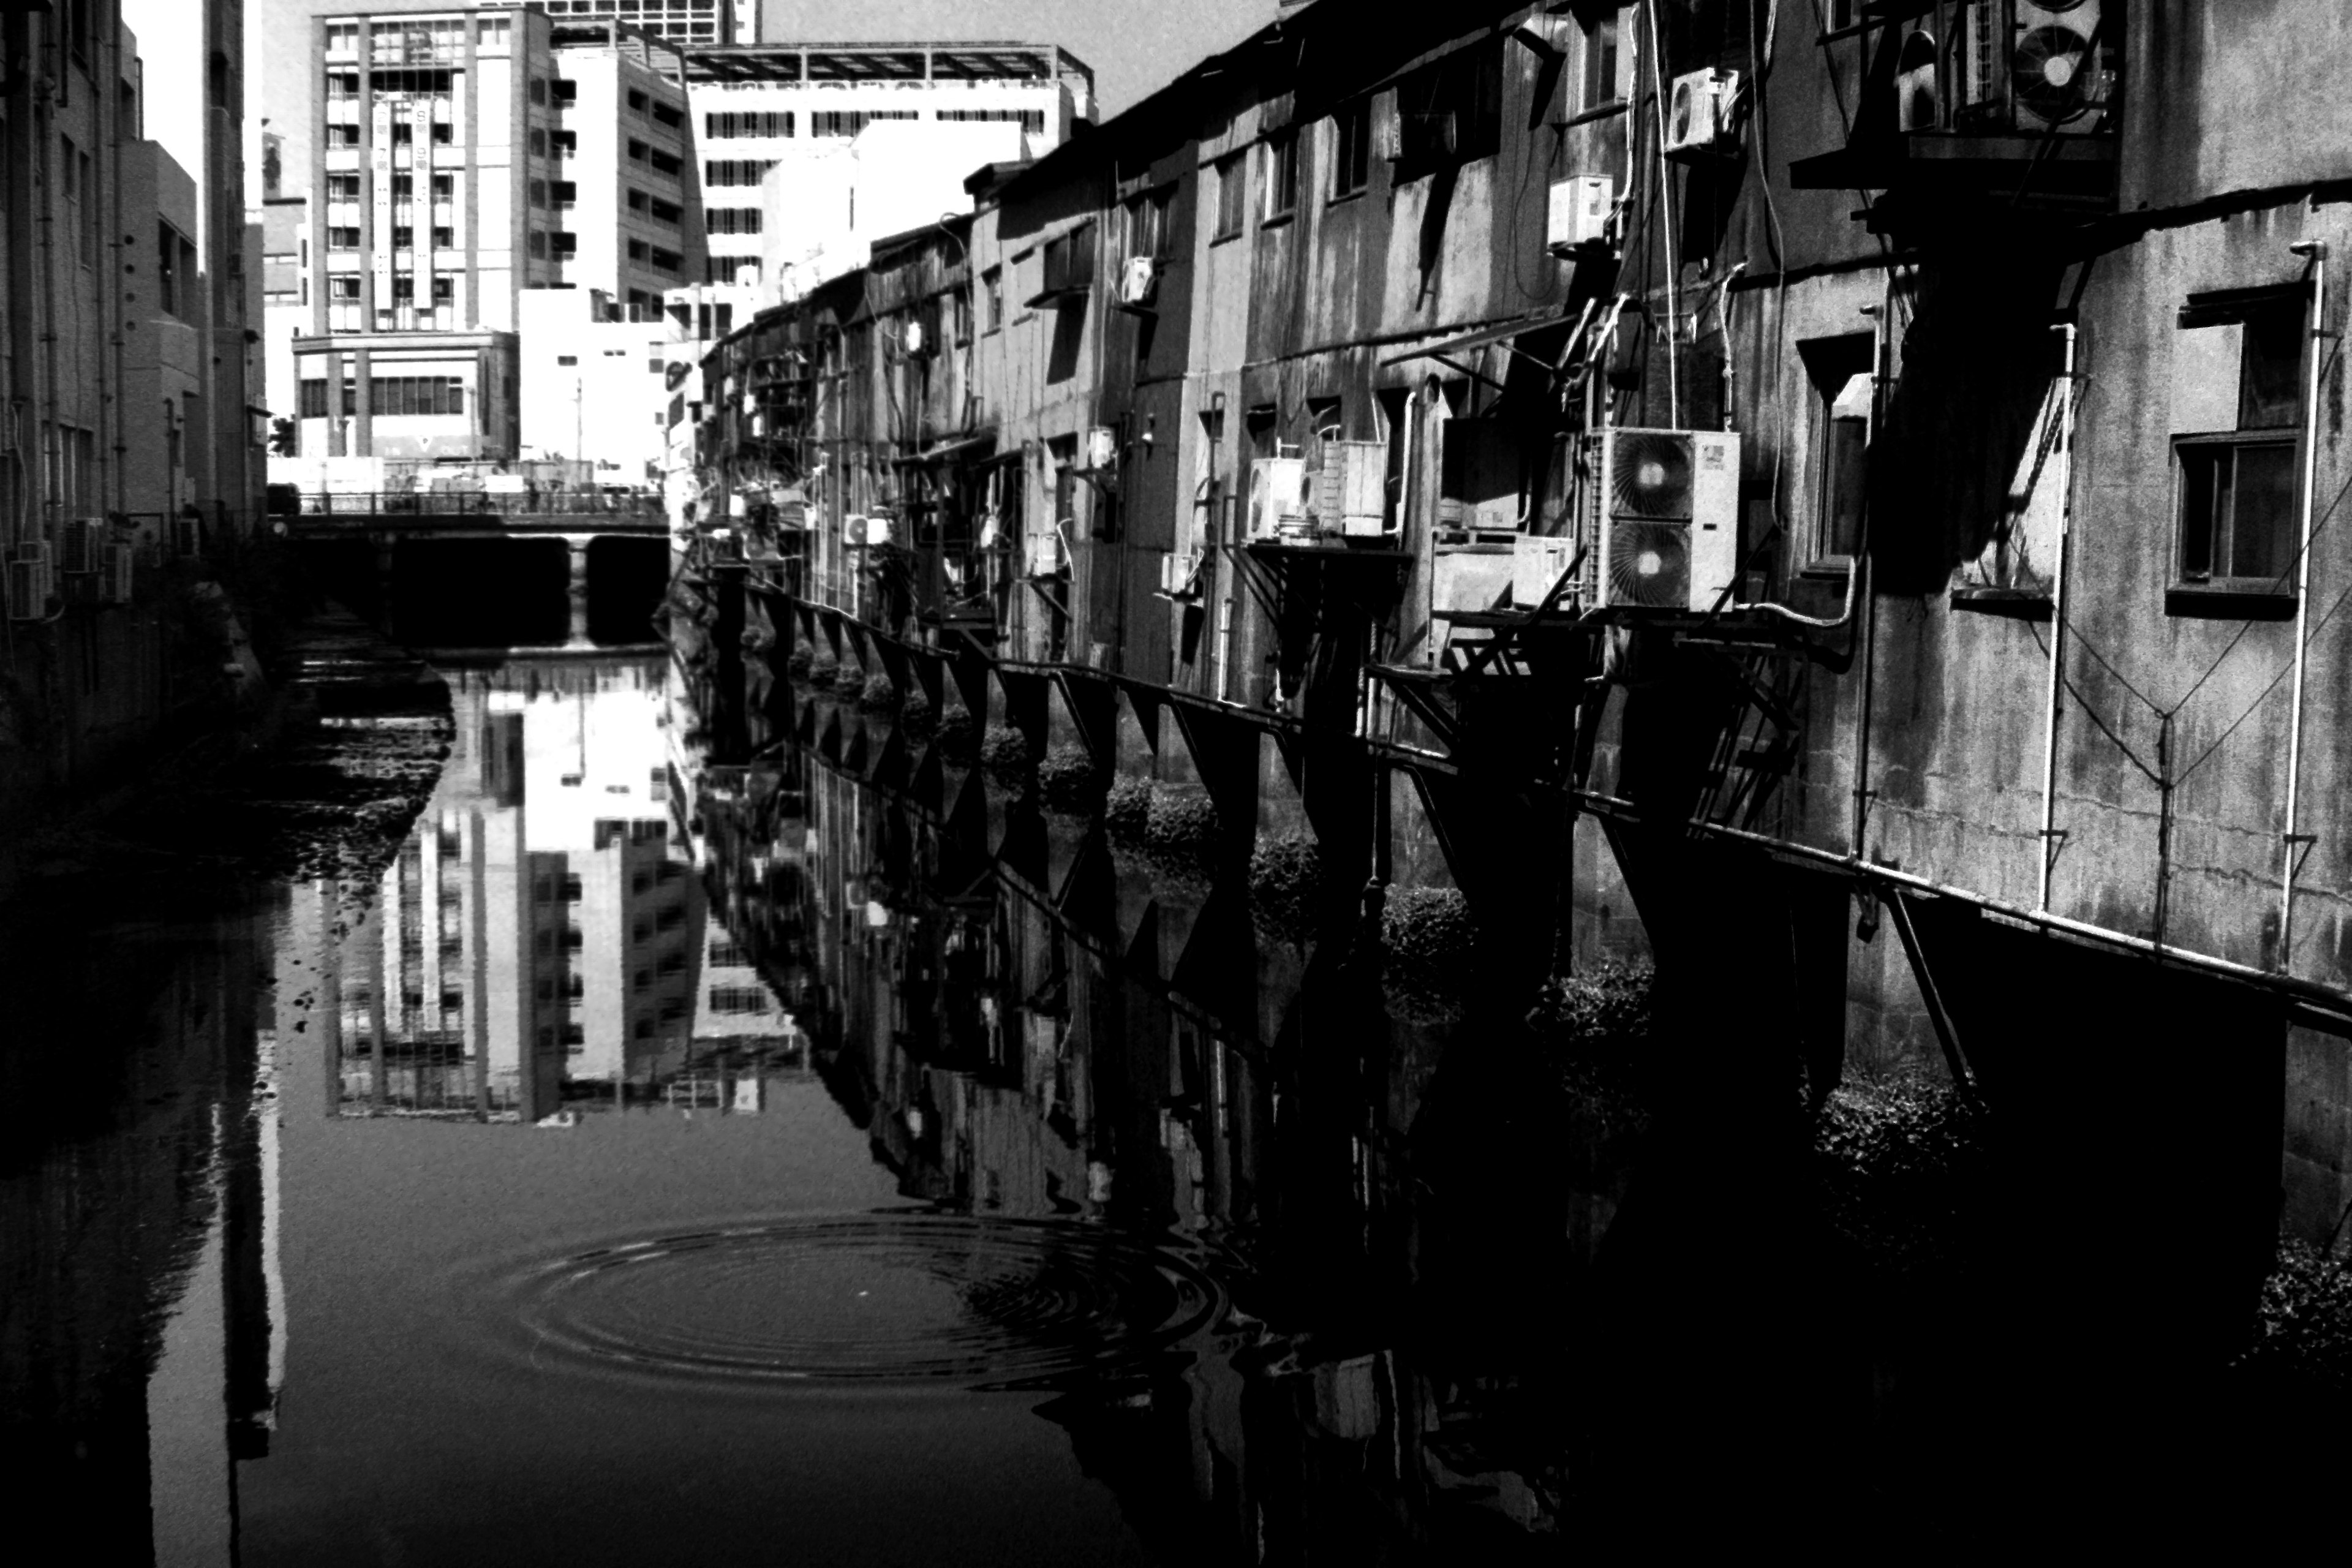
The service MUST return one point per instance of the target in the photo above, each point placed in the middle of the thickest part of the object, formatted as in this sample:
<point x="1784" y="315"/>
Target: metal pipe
<point x="1666" y="221"/>
<point x="2317" y="249"/>
<point x="1878" y="378"/>
<point x="2048" y="837"/>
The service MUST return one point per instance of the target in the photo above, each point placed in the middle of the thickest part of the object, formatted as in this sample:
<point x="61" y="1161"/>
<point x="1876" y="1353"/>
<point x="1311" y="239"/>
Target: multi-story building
<point x="1860" y="531"/>
<point x="123" y="302"/>
<point x="465" y="157"/>
<point x="780" y="135"/>
<point x="695" y="22"/>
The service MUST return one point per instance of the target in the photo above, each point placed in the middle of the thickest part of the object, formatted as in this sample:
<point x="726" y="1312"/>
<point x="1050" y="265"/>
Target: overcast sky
<point x="1134" y="46"/>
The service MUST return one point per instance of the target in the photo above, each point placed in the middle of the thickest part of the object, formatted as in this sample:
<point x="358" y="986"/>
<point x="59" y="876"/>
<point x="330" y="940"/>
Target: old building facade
<point x="1842" y="504"/>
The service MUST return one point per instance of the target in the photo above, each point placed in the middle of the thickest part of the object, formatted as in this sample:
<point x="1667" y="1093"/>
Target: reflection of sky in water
<point x="544" y="929"/>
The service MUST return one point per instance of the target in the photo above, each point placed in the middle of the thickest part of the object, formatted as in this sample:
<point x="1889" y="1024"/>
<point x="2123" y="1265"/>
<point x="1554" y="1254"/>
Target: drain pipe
<point x="2316" y="250"/>
<point x="1880" y="375"/>
<point x="2049" y="835"/>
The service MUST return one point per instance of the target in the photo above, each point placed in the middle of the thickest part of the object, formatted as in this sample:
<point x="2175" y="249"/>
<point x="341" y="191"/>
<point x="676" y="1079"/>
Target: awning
<point x="939" y="451"/>
<point x="1446" y="350"/>
<point x="1485" y="337"/>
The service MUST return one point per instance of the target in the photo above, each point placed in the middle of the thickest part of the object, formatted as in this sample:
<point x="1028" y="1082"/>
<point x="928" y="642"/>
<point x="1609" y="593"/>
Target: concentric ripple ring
<point x="896" y="1296"/>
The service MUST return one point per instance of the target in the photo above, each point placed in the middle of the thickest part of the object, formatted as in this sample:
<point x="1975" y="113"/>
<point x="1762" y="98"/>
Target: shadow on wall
<point x="1978" y="357"/>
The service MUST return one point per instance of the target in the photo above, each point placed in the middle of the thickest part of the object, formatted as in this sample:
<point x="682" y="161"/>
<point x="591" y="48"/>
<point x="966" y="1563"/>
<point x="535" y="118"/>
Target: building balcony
<point x="1967" y="111"/>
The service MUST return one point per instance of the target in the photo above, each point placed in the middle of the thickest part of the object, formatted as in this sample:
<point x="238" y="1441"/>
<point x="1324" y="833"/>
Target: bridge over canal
<point x="445" y="558"/>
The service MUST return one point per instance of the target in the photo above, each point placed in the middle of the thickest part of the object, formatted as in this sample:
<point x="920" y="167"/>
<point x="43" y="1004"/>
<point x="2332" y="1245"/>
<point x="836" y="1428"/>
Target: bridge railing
<point x="550" y="505"/>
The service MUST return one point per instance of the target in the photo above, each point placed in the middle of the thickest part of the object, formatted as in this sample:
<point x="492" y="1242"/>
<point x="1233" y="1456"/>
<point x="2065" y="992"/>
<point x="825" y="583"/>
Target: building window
<point x="1147" y="226"/>
<point x="494" y="31"/>
<point x="850" y="121"/>
<point x="736" y="170"/>
<point x="398" y="396"/>
<point x="992" y="291"/>
<point x="736" y="125"/>
<point x="563" y="192"/>
<point x="668" y="116"/>
<point x="343" y="285"/>
<point x="342" y="187"/>
<point x="563" y="242"/>
<point x="1232" y="195"/>
<point x="667" y="163"/>
<point x="342" y="136"/>
<point x="637" y="248"/>
<point x="539" y="89"/>
<point x="666" y="260"/>
<point x="1839" y="371"/>
<point x="538" y="143"/>
<point x="342" y="84"/>
<point x="1351" y="148"/>
<point x="1600" y="88"/>
<point x="731" y="220"/>
<point x="2236" y="485"/>
<point x="444" y="238"/>
<point x="343" y="236"/>
<point x="638" y="150"/>
<point x="311" y="400"/>
<point x="538" y="244"/>
<point x="445" y="187"/>
<point x="1032" y="120"/>
<point x="638" y="200"/>
<point x="563" y="143"/>
<point x="404" y="238"/>
<point x="1281" y="175"/>
<point x="564" y="90"/>
<point x="1450" y="111"/>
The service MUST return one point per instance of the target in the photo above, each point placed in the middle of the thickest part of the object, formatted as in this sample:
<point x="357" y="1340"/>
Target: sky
<point x="1133" y="46"/>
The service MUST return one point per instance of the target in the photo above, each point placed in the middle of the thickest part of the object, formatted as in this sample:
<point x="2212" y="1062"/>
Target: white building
<point x="466" y="157"/>
<point x="793" y="113"/>
<point x="595" y="386"/>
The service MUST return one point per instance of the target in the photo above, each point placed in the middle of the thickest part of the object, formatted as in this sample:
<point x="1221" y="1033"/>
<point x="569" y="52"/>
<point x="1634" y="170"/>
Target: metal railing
<point x="542" y="504"/>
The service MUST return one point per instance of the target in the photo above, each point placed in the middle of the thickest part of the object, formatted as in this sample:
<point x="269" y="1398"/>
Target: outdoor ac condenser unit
<point x="1664" y="511"/>
<point x="1178" y="570"/>
<point x="852" y="530"/>
<point x="2057" y="80"/>
<point x="1578" y="219"/>
<point x="1277" y="498"/>
<point x="1699" y="119"/>
<point x="1350" y="492"/>
<point x="1138" y="280"/>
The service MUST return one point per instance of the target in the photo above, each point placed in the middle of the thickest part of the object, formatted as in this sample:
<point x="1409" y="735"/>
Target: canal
<point x="680" y="1143"/>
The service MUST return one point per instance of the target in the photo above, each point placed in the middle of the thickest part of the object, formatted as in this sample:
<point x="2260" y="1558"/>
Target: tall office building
<point x="698" y="22"/>
<point x="464" y="157"/>
<point x="803" y="108"/>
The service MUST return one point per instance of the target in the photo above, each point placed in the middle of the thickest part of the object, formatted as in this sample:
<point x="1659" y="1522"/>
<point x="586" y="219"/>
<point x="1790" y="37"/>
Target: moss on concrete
<point x="1068" y="781"/>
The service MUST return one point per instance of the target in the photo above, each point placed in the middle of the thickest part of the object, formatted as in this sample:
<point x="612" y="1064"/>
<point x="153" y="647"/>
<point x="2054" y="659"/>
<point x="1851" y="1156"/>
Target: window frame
<point x="1352" y="150"/>
<point x="2284" y="308"/>
<point x="1279" y="191"/>
<point x="1231" y="173"/>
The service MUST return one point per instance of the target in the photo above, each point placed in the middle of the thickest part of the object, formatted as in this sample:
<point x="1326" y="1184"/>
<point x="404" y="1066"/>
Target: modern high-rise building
<point x="946" y="107"/>
<point x="464" y="157"/>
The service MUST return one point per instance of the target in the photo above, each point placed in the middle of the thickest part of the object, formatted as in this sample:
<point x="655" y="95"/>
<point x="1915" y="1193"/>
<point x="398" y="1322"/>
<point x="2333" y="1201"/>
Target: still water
<point x="685" y="1149"/>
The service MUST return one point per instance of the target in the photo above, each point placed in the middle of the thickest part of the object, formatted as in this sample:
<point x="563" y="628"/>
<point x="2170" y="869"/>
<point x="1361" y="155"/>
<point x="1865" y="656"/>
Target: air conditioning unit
<point x="1664" y="506"/>
<point x="1580" y="206"/>
<point x="852" y="530"/>
<point x="1918" y="105"/>
<point x="1699" y="119"/>
<point x="183" y="536"/>
<point x="1277" y="498"/>
<point x="1048" y="557"/>
<point x="1102" y="446"/>
<point x="81" y="546"/>
<point x="1350" y="493"/>
<point x="115" y="580"/>
<point x="1537" y="562"/>
<point x="1139" y="281"/>
<point x="2057" y="80"/>
<point x="31" y="583"/>
<point x="877" y="530"/>
<point x="1177" y="573"/>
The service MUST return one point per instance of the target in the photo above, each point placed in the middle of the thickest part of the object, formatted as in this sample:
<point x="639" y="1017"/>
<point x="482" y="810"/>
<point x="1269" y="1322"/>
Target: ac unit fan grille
<point x="1649" y="565"/>
<point x="1650" y="475"/>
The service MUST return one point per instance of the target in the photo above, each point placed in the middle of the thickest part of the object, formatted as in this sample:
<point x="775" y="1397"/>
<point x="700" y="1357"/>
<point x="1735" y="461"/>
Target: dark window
<point x="312" y="404"/>
<point x="2237" y="487"/>
<point x="1839" y="371"/>
<point x="1600" y="58"/>
<point x="566" y="90"/>
<point x="638" y="101"/>
<point x="564" y="192"/>
<point x="667" y="115"/>
<point x="1450" y="111"/>
<point x="1281" y="174"/>
<point x="1351" y="148"/>
<point x="1232" y="195"/>
<point x="991" y="288"/>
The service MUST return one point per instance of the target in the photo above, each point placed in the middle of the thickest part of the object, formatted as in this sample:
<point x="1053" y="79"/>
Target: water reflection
<point x="541" y="944"/>
<point x="699" y="1151"/>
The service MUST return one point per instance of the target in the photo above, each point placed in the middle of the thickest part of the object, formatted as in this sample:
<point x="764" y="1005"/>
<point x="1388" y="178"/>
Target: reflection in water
<point x="540" y="943"/>
<point x="876" y="1132"/>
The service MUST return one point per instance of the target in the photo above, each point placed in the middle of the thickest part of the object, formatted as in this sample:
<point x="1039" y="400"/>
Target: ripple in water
<point x="912" y="1297"/>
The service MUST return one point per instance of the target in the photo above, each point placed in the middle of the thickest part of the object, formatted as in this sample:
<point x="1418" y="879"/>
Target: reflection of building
<point x="542" y="929"/>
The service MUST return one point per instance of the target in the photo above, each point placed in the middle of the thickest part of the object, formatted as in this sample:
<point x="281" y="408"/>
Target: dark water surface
<point x="668" y="1162"/>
